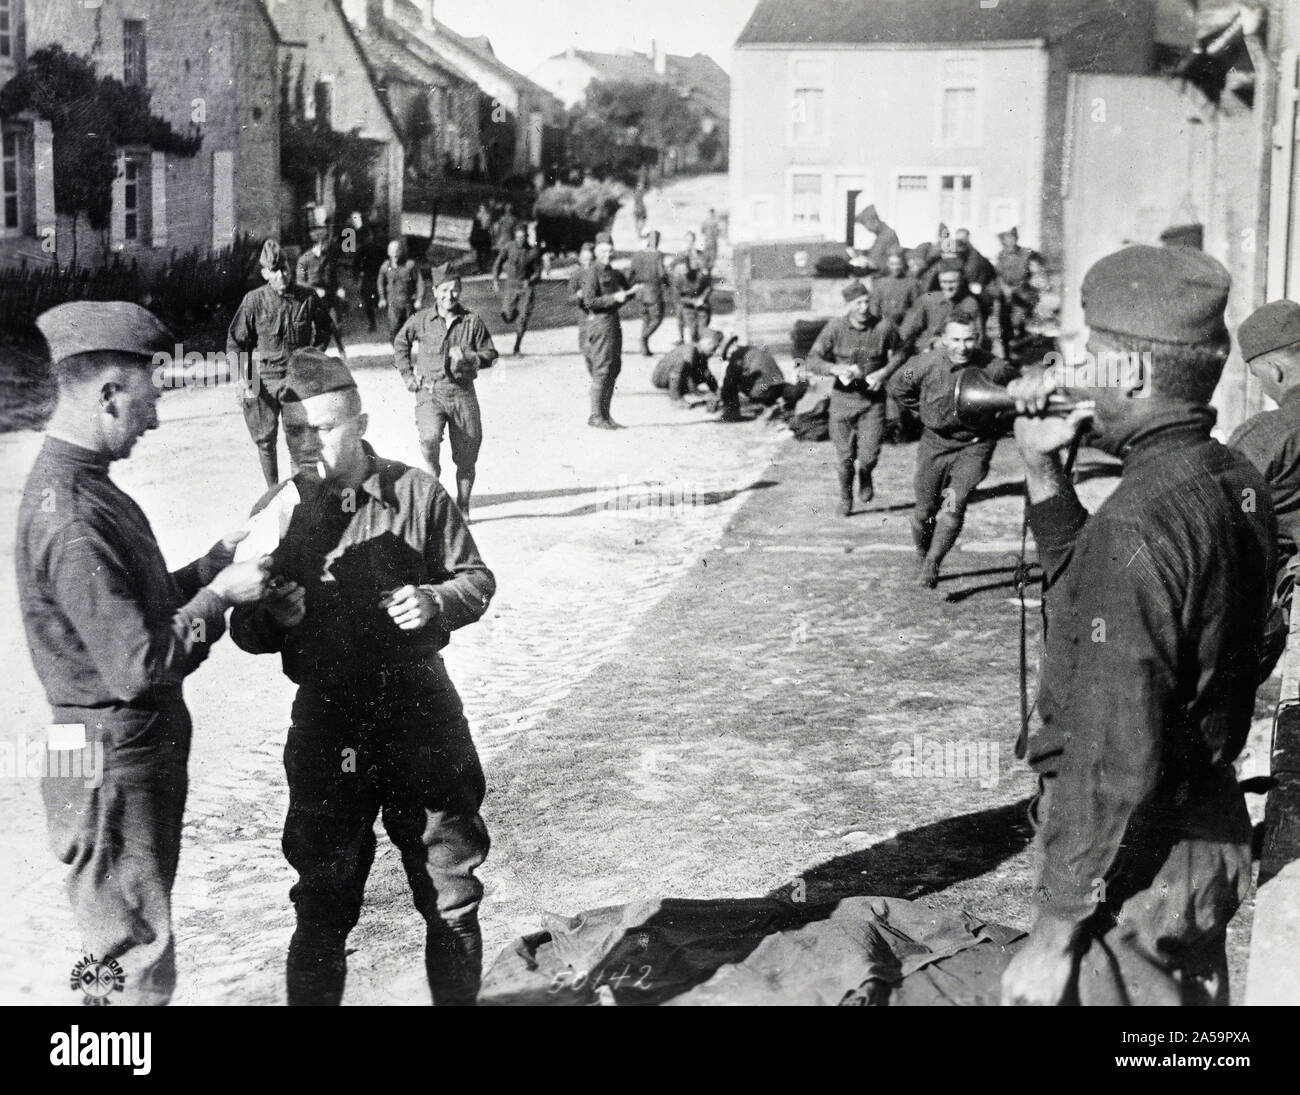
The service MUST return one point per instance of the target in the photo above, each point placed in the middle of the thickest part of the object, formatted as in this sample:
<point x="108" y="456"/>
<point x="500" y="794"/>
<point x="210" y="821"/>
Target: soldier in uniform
<point x="401" y="287"/>
<point x="113" y="634"/>
<point x="268" y="326"/>
<point x="684" y="368"/>
<point x="1155" y="615"/>
<point x="377" y="569"/>
<point x="710" y="230"/>
<point x="894" y="291"/>
<point x="638" y="207"/>
<point x="454" y="345"/>
<point x="1270" y="345"/>
<point x="1012" y="266"/>
<point x="861" y="351"/>
<point x="753" y="372"/>
<point x="586" y="256"/>
<point x="318" y="271"/>
<point x="925" y="323"/>
<point x="522" y="265"/>
<point x="693" y="288"/>
<point x="652" y="285"/>
<point x="359" y="242"/>
<point x="952" y="459"/>
<point x="604" y="290"/>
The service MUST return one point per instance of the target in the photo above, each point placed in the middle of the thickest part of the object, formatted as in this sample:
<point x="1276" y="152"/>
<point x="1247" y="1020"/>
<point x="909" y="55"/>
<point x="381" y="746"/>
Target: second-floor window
<point x="10" y="210"/>
<point x="131" y="200"/>
<point x="134" y="71"/>
<point x="959" y="103"/>
<point x="323" y="97"/>
<point x="7" y="28"/>
<point x="808" y="102"/>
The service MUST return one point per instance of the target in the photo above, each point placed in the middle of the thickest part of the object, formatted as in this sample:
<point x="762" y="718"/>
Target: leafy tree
<point x="91" y="117"/>
<point x="618" y="120"/>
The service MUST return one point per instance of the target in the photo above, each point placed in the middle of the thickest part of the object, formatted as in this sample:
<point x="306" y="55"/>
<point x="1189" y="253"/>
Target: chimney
<point x="659" y="57"/>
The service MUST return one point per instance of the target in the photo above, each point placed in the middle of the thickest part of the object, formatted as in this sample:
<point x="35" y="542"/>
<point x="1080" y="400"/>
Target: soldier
<point x="586" y="256"/>
<point x="861" y="351"/>
<point x="684" y="368"/>
<point x="753" y="372"/>
<point x="894" y="292"/>
<point x="318" y="271"/>
<point x="401" y="287"/>
<point x="377" y="569"/>
<point x="1270" y="344"/>
<point x="925" y="323"/>
<point x="454" y="345"/>
<point x="268" y="326"/>
<point x="874" y="258"/>
<point x="604" y="290"/>
<point x="1155" y="612"/>
<point x="952" y="459"/>
<point x="638" y="207"/>
<point x="113" y="635"/>
<point x="693" y="289"/>
<point x="651" y="281"/>
<point x="522" y="264"/>
<point x="710" y="230"/>
<point x="359" y="242"/>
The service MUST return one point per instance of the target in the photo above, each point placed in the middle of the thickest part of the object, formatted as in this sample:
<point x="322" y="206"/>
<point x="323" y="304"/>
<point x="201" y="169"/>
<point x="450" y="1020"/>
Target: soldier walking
<point x="318" y="270"/>
<point x="270" y="323"/>
<point x="522" y="264"/>
<point x="861" y="351"/>
<point x="401" y="287"/>
<point x="454" y="345"/>
<point x="650" y="278"/>
<point x="604" y="290"/>
<point x="586" y="256"/>
<point x="377" y="569"/>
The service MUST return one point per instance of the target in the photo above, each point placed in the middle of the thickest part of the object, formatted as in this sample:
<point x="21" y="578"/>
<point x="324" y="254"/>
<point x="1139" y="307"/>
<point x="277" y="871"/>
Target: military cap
<point x="951" y="265"/>
<point x="312" y="372"/>
<point x="89" y="326"/>
<point x="1165" y="294"/>
<point x="440" y="274"/>
<point x="318" y="232"/>
<point x="1012" y="233"/>
<point x="853" y="291"/>
<point x="1275" y="325"/>
<point x="272" y="256"/>
<point x="604" y="237"/>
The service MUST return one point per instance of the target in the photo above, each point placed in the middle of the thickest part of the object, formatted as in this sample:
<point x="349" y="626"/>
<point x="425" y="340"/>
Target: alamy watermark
<point x="1121" y="369"/>
<point x="929" y="757"/>
<point x="27" y="758"/>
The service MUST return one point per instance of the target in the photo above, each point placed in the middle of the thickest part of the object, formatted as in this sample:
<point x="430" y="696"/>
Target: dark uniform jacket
<point x="436" y="337"/>
<point x="1013" y="268"/>
<point x="926" y="320"/>
<point x="1271" y="441"/>
<point x="649" y="275"/>
<point x="276" y="325"/>
<point x="840" y="343"/>
<point x="1155" y="613"/>
<point x="318" y="271"/>
<point x="894" y="297"/>
<point x="927" y="386"/>
<point x="521" y="263"/>
<point x="691" y="286"/>
<point x="400" y="528"/>
<point x="400" y="283"/>
<point x="754" y="371"/>
<point x="599" y="284"/>
<point x="575" y="291"/>
<point x="109" y="627"/>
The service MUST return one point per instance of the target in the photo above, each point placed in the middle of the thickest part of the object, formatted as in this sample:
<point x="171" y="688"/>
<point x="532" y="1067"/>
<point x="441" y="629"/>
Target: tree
<point x="91" y="117"/>
<point x="619" y="119"/>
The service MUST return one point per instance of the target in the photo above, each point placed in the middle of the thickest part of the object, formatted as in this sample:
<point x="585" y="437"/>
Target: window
<point x="131" y="200"/>
<point x="134" y="72"/>
<point x="323" y="98"/>
<point x="806" y="201"/>
<point x="808" y="123"/>
<point x="6" y="32"/>
<point x="10" y="215"/>
<point x="959" y="102"/>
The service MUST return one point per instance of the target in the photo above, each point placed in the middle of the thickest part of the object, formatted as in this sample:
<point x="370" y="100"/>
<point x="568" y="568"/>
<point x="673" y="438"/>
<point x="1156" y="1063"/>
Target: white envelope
<point x="267" y="528"/>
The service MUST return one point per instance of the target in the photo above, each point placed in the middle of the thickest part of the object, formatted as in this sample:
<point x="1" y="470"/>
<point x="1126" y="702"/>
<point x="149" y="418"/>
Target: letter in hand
<point x="286" y="603"/>
<point x="242" y="583"/>
<point x="410" y="607"/>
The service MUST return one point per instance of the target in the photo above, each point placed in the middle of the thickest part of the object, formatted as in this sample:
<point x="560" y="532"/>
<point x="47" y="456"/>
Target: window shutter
<point x="117" y="220"/>
<point x="158" y="199"/>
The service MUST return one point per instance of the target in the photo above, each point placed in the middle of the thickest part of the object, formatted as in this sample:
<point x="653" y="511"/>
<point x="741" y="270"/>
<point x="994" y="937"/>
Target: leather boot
<point x="922" y="532"/>
<point x="846" y="490"/>
<point x="464" y="485"/>
<point x="606" y="400"/>
<point x="453" y="961"/>
<point x="866" y="489"/>
<point x="597" y="418"/>
<point x="946" y="530"/>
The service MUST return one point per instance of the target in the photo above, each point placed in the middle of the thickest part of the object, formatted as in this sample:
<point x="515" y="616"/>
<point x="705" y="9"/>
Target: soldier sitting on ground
<point x="753" y="372"/>
<point x="685" y="368"/>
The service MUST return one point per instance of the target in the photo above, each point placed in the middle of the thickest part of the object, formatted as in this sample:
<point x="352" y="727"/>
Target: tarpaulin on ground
<point x="757" y="951"/>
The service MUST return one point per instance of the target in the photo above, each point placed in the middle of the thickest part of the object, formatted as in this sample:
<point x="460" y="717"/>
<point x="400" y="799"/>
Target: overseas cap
<point x="1271" y="327"/>
<point x="272" y="256"/>
<point x="1166" y="294"/>
<point x="853" y="290"/>
<point x="440" y="274"/>
<point x="1009" y="233"/>
<point x="312" y="372"/>
<point x="86" y="326"/>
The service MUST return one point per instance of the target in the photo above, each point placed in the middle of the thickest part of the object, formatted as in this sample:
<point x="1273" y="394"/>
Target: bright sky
<point x="525" y="32"/>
